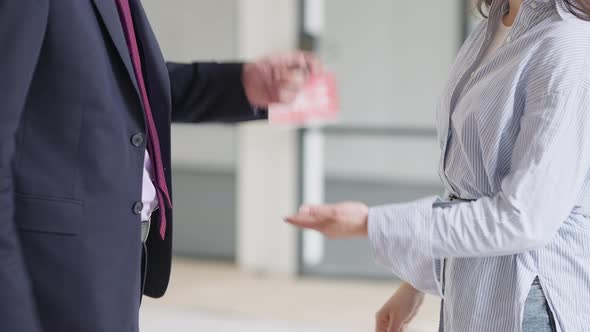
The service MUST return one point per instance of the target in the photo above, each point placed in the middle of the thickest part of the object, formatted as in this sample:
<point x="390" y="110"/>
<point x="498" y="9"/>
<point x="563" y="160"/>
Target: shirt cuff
<point x="400" y="236"/>
<point x="260" y="113"/>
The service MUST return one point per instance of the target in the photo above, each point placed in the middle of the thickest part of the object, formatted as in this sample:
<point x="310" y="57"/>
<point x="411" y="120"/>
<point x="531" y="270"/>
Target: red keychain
<point x="316" y="103"/>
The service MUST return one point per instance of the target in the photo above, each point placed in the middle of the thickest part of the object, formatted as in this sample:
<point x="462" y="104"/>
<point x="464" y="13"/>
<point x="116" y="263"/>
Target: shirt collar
<point x="560" y="6"/>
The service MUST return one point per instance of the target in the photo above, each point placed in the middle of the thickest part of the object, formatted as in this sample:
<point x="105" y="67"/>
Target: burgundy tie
<point x="153" y="144"/>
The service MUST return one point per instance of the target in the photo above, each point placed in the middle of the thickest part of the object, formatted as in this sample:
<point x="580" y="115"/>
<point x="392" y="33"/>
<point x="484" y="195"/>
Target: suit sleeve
<point x="22" y="29"/>
<point x="210" y="92"/>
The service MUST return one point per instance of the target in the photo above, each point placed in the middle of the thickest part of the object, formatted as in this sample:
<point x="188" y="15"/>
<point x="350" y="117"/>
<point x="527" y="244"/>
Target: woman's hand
<point x="343" y="220"/>
<point x="401" y="308"/>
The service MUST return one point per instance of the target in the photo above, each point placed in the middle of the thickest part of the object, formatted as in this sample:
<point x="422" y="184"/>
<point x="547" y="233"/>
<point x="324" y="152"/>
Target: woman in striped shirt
<point x="508" y="245"/>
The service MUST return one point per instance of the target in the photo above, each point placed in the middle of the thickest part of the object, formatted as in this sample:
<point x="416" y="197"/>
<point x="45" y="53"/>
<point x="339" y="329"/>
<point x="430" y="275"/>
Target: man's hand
<point x="278" y="78"/>
<point x="401" y="308"/>
<point x="343" y="220"/>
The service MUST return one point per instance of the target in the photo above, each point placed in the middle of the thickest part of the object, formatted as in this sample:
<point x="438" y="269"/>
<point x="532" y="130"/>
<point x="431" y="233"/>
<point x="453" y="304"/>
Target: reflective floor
<point x="214" y="297"/>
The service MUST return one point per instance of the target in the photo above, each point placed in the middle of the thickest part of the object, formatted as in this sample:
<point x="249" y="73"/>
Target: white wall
<point x="190" y="30"/>
<point x="408" y="160"/>
<point x="392" y="59"/>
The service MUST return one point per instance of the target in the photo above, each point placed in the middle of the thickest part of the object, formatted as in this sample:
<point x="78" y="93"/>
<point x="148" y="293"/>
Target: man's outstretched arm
<point x="234" y="92"/>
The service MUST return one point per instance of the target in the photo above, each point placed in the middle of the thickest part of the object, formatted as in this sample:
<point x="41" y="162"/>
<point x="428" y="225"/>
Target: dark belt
<point x="453" y="197"/>
<point x="145" y="230"/>
<point x="145" y="226"/>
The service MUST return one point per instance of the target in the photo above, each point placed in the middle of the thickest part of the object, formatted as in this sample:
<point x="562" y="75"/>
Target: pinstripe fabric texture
<point x="514" y="133"/>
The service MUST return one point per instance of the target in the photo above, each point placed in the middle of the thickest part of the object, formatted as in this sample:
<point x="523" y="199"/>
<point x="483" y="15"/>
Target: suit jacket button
<point x="137" y="139"/>
<point x="137" y="208"/>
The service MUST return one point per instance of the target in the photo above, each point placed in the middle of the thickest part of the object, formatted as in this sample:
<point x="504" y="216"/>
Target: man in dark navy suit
<point x="86" y="102"/>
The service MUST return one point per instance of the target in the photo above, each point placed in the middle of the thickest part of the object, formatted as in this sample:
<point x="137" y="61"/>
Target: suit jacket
<point x="70" y="172"/>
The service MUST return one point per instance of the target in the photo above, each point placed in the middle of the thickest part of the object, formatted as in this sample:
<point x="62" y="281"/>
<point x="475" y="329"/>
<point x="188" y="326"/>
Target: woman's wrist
<point x="363" y="230"/>
<point x="409" y="288"/>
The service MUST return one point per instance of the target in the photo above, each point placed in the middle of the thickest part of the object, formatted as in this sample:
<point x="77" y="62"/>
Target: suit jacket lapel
<point x="107" y="10"/>
<point x="154" y="65"/>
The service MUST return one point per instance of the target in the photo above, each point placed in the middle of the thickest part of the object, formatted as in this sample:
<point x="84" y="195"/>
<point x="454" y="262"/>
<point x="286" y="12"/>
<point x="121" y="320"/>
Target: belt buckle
<point x="145" y="229"/>
<point x="453" y="197"/>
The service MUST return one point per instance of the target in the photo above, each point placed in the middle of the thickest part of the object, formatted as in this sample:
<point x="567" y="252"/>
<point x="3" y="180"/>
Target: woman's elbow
<point x="536" y="235"/>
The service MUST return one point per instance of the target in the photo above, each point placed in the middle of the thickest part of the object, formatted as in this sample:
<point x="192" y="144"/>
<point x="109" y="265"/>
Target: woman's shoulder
<point x="561" y="58"/>
<point x="471" y="45"/>
<point x="564" y="41"/>
<point x="565" y="35"/>
<point x="477" y="33"/>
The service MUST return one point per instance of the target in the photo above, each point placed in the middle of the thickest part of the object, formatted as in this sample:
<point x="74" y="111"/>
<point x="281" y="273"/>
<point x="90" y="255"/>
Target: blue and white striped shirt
<point x="515" y="137"/>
